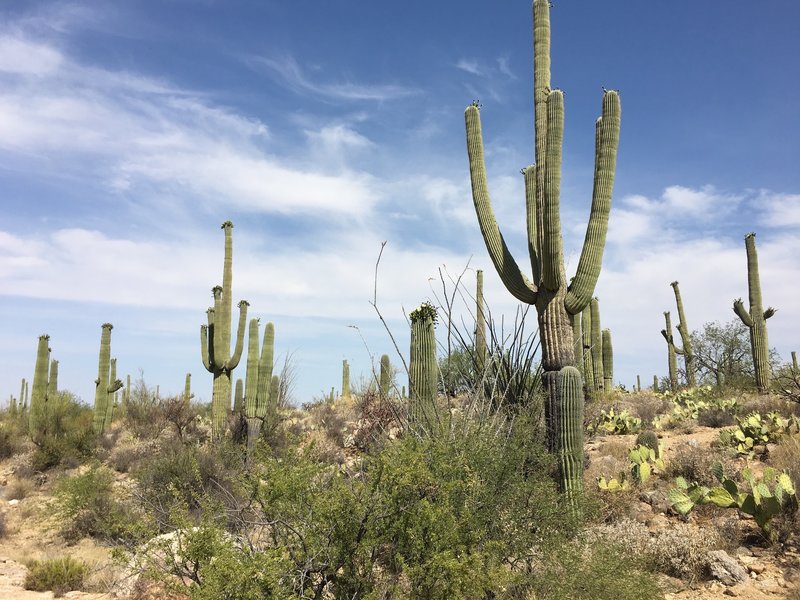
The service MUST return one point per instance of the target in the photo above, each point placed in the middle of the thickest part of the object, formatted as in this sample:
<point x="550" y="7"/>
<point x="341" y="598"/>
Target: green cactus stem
<point x="23" y="395"/>
<point x="672" y="352"/>
<point x="586" y="332"/>
<point x="259" y="378"/>
<point x="112" y="394"/>
<point x="555" y="301"/>
<point x="215" y="339"/>
<point x="238" y="397"/>
<point x="608" y="361"/>
<point x="333" y="394"/>
<point x="638" y="384"/>
<point x="345" y="379"/>
<point x="577" y="341"/>
<point x="187" y="389"/>
<point x="795" y="370"/>
<point x="423" y="369"/>
<point x="756" y="318"/>
<point x="686" y="339"/>
<point x="597" y="347"/>
<point x="52" y="382"/>
<point x="37" y="417"/>
<point x="386" y="376"/>
<point x="274" y="397"/>
<point x="655" y="383"/>
<point x="480" y="327"/>
<point x="104" y="385"/>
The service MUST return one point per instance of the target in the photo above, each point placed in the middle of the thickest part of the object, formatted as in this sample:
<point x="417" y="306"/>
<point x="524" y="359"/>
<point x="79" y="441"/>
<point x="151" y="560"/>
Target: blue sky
<point x="130" y="130"/>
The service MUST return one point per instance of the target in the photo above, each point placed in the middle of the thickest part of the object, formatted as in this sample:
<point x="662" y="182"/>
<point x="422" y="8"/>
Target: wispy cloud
<point x="292" y="75"/>
<point x="470" y="66"/>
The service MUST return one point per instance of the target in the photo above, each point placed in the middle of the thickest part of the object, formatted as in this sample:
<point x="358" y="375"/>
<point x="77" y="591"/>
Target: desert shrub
<point x="183" y="478"/>
<point x="65" y="437"/>
<point x="786" y="456"/>
<point x="682" y="550"/>
<point x="10" y="440"/>
<point x="647" y="406"/>
<point x="87" y="505"/>
<point x="3" y="525"/>
<point x="715" y="417"/>
<point x="694" y="464"/>
<point x="18" y="489"/>
<point x="588" y="572"/>
<point x="59" y="575"/>
<point x="144" y="415"/>
<point x="376" y="416"/>
<point x="181" y="417"/>
<point x="330" y="421"/>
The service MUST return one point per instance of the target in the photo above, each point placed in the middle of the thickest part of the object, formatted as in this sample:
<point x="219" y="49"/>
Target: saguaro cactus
<point x="422" y="376"/>
<point x="23" y="395"/>
<point x="756" y="318"/>
<point x="215" y="339"/>
<point x="608" y="361"/>
<point x="597" y="347"/>
<point x="655" y="383"/>
<point x="259" y="379"/>
<point x="385" y="377"/>
<point x="37" y="416"/>
<point x="52" y="382"/>
<point x="672" y="351"/>
<point x="480" y="327"/>
<point x="556" y="301"/>
<point x="104" y="385"/>
<point x="187" y="389"/>
<point x="345" y="379"/>
<point x="686" y="339"/>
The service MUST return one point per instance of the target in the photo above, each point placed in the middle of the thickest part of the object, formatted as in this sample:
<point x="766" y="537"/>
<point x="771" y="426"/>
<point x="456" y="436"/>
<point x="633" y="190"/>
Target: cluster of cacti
<point x="754" y="430"/>
<point x="756" y="318"/>
<point x="643" y="461"/>
<point x="762" y="503"/>
<point x="557" y="303"/>
<point x="616" y="422"/>
<point x="215" y="339"/>
<point x="423" y="368"/>
<point x="43" y="392"/>
<point x="106" y="383"/>
<point x="258" y="402"/>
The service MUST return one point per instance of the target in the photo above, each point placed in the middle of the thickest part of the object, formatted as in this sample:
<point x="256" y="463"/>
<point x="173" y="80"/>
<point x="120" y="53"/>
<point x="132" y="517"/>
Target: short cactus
<point x="650" y="440"/>
<point x="608" y="361"/>
<point x="259" y="377"/>
<point x="345" y="379"/>
<point x="386" y="376"/>
<point x="215" y="339"/>
<point x="423" y="369"/>
<point x="756" y="318"/>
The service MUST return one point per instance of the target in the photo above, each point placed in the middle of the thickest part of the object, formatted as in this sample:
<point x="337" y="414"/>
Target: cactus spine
<point x="345" y="379"/>
<point x="480" y="327"/>
<point x="215" y="339"/>
<point x="608" y="361"/>
<point x="104" y="386"/>
<point x="37" y="416"/>
<point x="259" y="379"/>
<point x="672" y="351"/>
<point x="386" y="376"/>
<point x="555" y="300"/>
<point x="756" y="318"/>
<point x="686" y="340"/>
<point x="423" y="370"/>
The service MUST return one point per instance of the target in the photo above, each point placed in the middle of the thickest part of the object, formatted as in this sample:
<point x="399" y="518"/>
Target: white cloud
<point x="293" y="76"/>
<point x="778" y="210"/>
<point x="470" y="66"/>
<point x="21" y="56"/>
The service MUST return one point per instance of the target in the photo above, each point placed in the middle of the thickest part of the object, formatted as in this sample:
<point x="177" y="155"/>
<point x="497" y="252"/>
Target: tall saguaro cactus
<point x="672" y="352"/>
<point x="556" y="301"/>
<point x="187" y="389"/>
<point x="37" y="415"/>
<point x="215" y="339"/>
<point x="422" y="376"/>
<point x="259" y="377"/>
<point x="104" y="385"/>
<point x="586" y="333"/>
<point x="686" y="340"/>
<point x="756" y="318"/>
<point x="608" y="361"/>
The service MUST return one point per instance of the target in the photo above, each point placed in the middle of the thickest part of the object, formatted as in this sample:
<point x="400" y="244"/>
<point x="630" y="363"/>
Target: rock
<point x="769" y="586"/>
<point x="757" y="568"/>
<point x="658" y="523"/>
<point x="743" y="551"/>
<point x="725" y="569"/>
<point x="731" y="591"/>
<point x="13" y="502"/>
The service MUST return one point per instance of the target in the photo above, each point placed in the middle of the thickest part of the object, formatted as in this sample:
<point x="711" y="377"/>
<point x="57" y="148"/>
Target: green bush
<point x="87" y="505"/>
<point x="66" y="437"/>
<point x="59" y="575"/>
